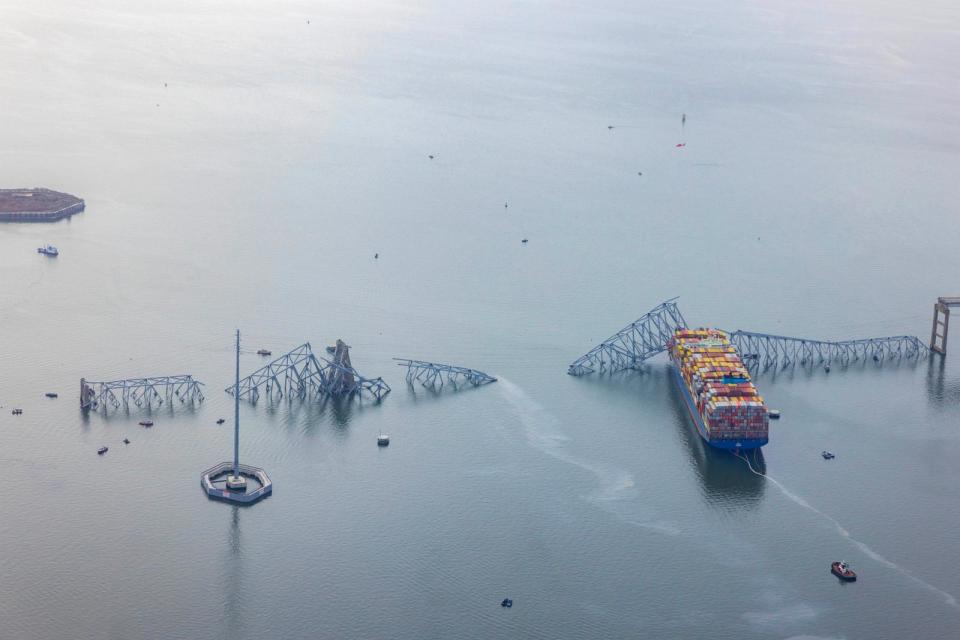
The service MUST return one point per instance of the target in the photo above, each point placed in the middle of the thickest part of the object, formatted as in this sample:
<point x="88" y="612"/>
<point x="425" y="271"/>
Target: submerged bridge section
<point x="765" y="351"/>
<point x="301" y="373"/>
<point x="139" y="392"/>
<point x="628" y="348"/>
<point x="433" y="374"/>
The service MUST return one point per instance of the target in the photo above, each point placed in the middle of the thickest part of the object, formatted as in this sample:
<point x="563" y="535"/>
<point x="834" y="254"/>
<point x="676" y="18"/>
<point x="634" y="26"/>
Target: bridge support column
<point x="941" y="318"/>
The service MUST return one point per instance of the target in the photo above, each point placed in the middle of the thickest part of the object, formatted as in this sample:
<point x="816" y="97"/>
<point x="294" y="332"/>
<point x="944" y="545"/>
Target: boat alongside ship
<point x="717" y="389"/>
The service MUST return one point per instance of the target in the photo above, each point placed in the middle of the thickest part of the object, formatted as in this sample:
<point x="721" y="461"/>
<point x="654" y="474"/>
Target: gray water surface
<point x="241" y="166"/>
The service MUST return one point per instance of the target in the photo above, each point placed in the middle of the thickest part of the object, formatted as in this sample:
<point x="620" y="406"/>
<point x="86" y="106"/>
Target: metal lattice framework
<point x="767" y="351"/>
<point x="139" y="391"/>
<point x="301" y="373"/>
<point x="433" y="374"/>
<point x="628" y="348"/>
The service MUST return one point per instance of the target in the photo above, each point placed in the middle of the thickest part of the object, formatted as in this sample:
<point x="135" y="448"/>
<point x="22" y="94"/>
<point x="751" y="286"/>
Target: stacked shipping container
<point x="732" y="412"/>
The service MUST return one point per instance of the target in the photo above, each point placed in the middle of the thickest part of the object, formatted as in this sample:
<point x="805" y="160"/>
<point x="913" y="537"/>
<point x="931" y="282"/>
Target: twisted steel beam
<point x="628" y="348"/>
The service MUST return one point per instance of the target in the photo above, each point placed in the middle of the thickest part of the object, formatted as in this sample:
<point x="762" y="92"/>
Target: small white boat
<point x="48" y="250"/>
<point x="774" y="414"/>
<point x="383" y="440"/>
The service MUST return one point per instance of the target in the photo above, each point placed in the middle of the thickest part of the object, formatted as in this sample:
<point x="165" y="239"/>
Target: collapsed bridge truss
<point x="141" y="392"/>
<point x="301" y="373"/>
<point x="433" y="374"/>
<point x="648" y="336"/>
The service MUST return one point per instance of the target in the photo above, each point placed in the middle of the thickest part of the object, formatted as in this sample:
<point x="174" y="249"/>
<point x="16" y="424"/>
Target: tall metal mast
<point x="236" y="417"/>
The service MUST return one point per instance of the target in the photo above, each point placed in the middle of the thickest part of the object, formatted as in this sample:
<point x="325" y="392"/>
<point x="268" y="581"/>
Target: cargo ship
<point x="722" y="401"/>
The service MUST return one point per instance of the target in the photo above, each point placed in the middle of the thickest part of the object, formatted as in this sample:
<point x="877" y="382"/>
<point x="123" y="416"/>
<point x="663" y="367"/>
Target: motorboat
<point x="221" y="421"/>
<point x="263" y="352"/>
<point x="102" y="450"/>
<point x="506" y="603"/>
<point x="774" y="414"/>
<point x="843" y="571"/>
<point x="126" y="441"/>
<point x="524" y="241"/>
<point x="383" y="440"/>
<point x="827" y="455"/>
<point x="146" y="423"/>
<point x="48" y="250"/>
<point x="17" y="412"/>
<point x="50" y="395"/>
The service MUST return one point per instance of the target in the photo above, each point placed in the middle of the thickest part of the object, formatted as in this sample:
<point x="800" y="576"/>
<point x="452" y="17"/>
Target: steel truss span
<point x="142" y="392"/>
<point x="628" y="348"/>
<point x="433" y="374"/>
<point x="765" y="351"/>
<point x="301" y="373"/>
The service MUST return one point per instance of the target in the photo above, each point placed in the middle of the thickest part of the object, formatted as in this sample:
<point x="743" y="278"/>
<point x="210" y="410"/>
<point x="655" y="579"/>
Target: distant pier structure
<point x="941" y="322"/>
<point x="139" y="392"/>
<point x="37" y="205"/>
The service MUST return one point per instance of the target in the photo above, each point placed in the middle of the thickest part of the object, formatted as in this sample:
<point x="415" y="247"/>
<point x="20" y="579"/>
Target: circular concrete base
<point x="224" y="472"/>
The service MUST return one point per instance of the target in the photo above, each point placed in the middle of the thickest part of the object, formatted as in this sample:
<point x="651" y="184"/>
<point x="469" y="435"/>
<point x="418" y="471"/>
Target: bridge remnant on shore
<point x="628" y="348"/>
<point x="648" y="336"/>
<point x="941" y="319"/>
<point x="432" y="374"/>
<point x="300" y="372"/>
<point x="139" y="391"/>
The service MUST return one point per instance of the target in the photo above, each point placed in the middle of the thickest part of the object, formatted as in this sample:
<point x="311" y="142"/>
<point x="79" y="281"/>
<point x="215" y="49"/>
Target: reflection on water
<point x="233" y="574"/>
<point x="724" y="479"/>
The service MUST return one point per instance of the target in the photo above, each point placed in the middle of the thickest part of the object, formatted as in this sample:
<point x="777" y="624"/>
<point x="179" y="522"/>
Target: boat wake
<point x="890" y="564"/>
<point x="542" y="433"/>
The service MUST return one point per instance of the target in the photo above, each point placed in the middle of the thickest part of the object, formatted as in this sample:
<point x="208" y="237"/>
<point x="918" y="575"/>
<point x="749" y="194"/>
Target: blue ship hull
<point x="735" y="445"/>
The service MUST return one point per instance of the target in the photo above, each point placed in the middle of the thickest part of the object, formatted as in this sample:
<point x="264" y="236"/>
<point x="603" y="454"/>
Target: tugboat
<point x="101" y="451"/>
<point x="263" y="352"/>
<point x="48" y="250"/>
<point x="17" y="412"/>
<point x="507" y="603"/>
<point x="383" y="440"/>
<point x="51" y="395"/>
<point x="827" y="455"/>
<point x="843" y="571"/>
<point x="146" y="423"/>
